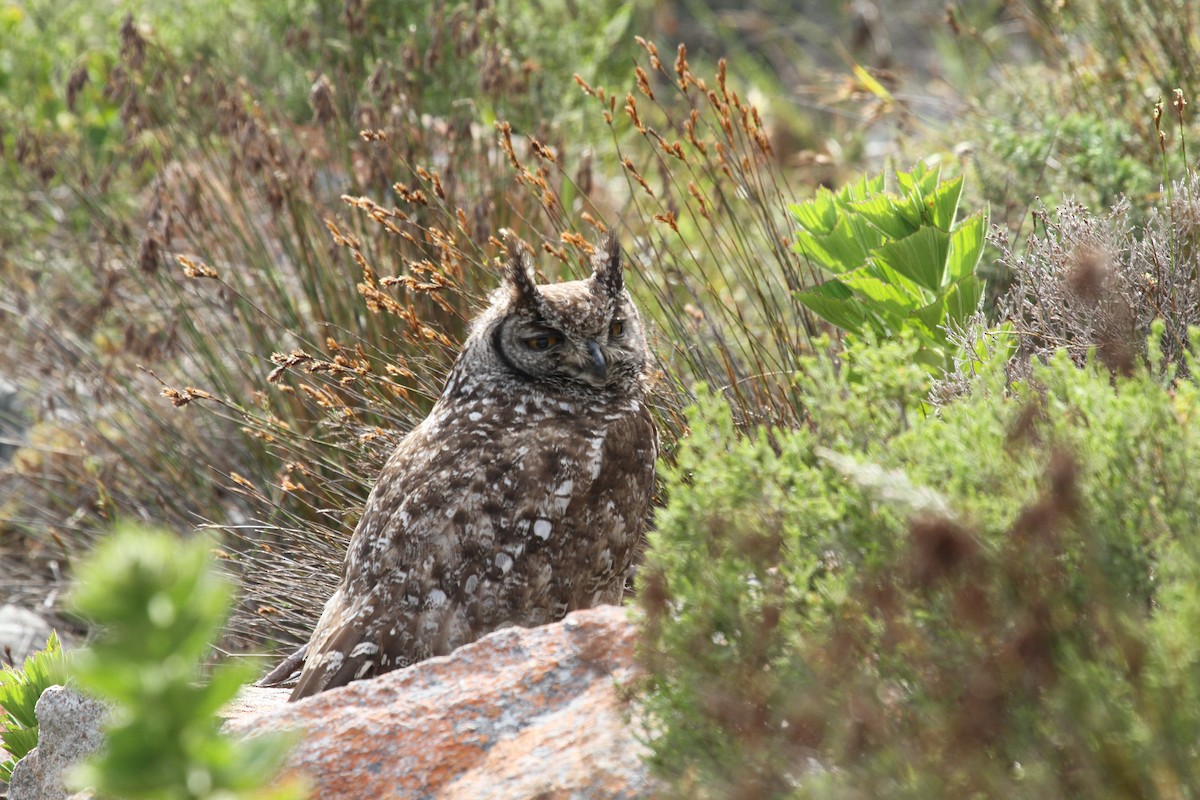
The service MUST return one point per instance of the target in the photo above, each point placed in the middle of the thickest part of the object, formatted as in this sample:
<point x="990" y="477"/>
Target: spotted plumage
<point x="521" y="497"/>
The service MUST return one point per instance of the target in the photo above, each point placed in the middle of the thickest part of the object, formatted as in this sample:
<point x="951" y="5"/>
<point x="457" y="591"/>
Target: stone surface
<point x="521" y="713"/>
<point x="68" y="730"/>
<point x="21" y="633"/>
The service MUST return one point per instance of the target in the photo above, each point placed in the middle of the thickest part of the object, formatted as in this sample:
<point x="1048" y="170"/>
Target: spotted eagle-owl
<point x="521" y="497"/>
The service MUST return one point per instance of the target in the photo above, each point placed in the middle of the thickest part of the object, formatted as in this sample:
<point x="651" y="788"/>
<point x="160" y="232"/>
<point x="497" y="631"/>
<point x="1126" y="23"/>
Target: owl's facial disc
<point x="594" y="349"/>
<point x="582" y="333"/>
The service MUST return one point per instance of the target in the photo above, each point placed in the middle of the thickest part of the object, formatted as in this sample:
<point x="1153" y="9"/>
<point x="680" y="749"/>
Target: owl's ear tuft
<point x="608" y="265"/>
<point x="517" y="275"/>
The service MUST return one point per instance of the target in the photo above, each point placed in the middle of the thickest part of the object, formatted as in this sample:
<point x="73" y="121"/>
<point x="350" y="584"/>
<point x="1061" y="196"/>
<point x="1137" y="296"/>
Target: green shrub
<point x="19" y="693"/>
<point x="988" y="602"/>
<point x="1027" y="154"/>
<point x="159" y="603"/>
<point x="897" y="261"/>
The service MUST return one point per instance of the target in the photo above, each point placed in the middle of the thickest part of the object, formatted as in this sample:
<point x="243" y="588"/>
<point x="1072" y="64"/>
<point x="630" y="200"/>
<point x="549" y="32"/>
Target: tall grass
<point x="288" y="296"/>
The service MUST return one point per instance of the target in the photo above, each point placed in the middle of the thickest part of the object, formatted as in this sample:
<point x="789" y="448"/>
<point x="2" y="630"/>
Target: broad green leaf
<point x="861" y="189"/>
<point x="920" y="257"/>
<point x="931" y="318"/>
<point x="963" y="299"/>
<point x="817" y="215"/>
<point x="942" y="203"/>
<point x="898" y="258"/>
<point x="895" y="219"/>
<point x="815" y="248"/>
<point x="835" y="304"/>
<point x="19" y="693"/>
<point x="920" y="180"/>
<point x="966" y="246"/>
<point x="843" y="249"/>
<point x="19" y="741"/>
<point x="866" y="236"/>
<point x="21" y="688"/>
<point x="931" y="357"/>
<point x="891" y="298"/>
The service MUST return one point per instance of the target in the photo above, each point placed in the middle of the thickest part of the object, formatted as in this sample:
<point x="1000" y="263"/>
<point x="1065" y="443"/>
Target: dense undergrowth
<point x="989" y="602"/>
<point x="927" y="533"/>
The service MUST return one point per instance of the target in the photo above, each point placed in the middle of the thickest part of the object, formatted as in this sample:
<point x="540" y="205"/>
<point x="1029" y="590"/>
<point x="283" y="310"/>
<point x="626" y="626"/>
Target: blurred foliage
<point x="20" y="688"/>
<point x="988" y="602"/>
<point x="1026" y="155"/>
<point x="1060" y="102"/>
<point x="899" y="261"/>
<point x="73" y="138"/>
<point x="1099" y="284"/>
<point x="1118" y="53"/>
<point x="158" y="603"/>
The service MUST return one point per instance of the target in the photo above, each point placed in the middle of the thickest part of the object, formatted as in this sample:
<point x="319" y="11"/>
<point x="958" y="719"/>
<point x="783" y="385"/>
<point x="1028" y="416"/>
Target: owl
<point x="521" y="497"/>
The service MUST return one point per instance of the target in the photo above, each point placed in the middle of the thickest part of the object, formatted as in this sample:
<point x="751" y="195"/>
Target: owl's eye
<point x="616" y="328"/>
<point x="544" y="342"/>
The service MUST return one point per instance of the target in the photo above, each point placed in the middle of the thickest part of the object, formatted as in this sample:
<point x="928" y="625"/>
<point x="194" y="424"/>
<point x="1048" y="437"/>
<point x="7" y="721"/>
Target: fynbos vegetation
<point x="925" y="516"/>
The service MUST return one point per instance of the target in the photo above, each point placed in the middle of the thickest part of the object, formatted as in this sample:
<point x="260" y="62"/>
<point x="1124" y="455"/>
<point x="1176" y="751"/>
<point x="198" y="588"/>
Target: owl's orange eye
<point x="542" y="342"/>
<point x="616" y="328"/>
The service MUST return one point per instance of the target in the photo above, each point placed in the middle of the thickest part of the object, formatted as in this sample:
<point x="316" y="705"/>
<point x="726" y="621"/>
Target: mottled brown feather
<point x="521" y="497"/>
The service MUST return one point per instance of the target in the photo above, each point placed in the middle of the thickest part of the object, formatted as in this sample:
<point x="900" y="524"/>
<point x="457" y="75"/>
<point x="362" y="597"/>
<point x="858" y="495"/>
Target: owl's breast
<point x="524" y="514"/>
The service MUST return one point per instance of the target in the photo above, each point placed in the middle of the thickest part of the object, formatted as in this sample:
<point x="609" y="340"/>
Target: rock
<point x="69" y="729"/>
<point x="521" y="713"/>
<point x="21" y="634"/>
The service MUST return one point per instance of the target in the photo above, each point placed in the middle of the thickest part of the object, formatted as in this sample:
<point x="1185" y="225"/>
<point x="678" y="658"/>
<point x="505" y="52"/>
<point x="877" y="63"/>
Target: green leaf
<point x="835" y="304"/>
<point x="930" y="318"/>
<point x="862" y="189"/>
<point x="19" y="693"/>
<point x="921" y="180"/>
<point x="817" y="215"/>
<point x="932" y="358"/>
<point x="963" y="300"/>
<point x="845" y="248"/>
<point x="920" y="257"/>
<point x="891" y="294"/>
<point x="966" y="246"/>
<point x="895" y="219"/>
<point x="18" y="741"/>
<point x="942" y="204"/>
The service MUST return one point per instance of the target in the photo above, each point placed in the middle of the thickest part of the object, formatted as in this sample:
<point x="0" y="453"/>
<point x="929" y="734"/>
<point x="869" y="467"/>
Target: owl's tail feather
<point x="288" y="671"/>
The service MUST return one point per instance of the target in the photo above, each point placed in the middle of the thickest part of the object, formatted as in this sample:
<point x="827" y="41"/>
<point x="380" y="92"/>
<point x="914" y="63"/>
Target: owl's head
<point x="581" y="335"/>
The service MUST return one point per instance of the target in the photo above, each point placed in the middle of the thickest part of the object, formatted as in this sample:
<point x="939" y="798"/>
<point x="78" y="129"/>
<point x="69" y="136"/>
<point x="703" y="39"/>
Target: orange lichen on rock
<point x="521" y="713"/>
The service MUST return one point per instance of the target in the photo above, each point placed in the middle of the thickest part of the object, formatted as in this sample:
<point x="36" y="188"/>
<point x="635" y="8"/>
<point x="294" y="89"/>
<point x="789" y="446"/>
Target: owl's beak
<point x="598" y="366"/>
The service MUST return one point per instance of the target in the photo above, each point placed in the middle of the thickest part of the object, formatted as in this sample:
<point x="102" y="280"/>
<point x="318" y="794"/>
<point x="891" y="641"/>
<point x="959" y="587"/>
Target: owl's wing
<point x="345" y="646"/>
<point x="355" y="636"/>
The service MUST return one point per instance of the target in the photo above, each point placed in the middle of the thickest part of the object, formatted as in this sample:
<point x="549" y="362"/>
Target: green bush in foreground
<point x="1000" y="600"/>
<point x="19" y="693"/>
<point x="158" y="603"/>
